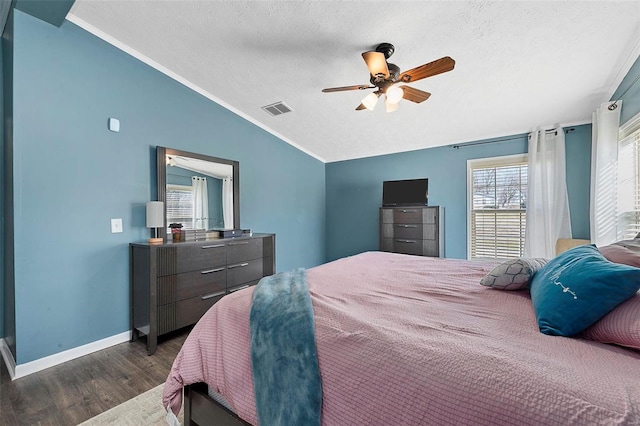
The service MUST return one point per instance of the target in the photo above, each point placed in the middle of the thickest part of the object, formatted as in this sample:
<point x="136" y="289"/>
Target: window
<point x="497" y="212"/>
<point x="628" y="199"/>
<point x="180" y="206"/>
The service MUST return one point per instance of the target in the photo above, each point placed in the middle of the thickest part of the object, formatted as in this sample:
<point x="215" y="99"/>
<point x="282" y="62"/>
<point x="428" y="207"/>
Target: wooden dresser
<point x="412" y="230"/>
<point x="174" y="284"/>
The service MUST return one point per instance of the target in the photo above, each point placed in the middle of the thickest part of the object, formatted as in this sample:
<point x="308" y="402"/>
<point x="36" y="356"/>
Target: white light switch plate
<point x="114" y="124"/>
<point x="116" y="226"/>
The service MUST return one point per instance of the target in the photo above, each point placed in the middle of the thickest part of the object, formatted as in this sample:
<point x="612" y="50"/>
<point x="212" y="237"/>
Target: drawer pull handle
<point x="239" y="243"/>
<point x="216" y="294"/>
<point x="409" y="211"/>
<point x="239" y="288"/>
<point x="239" y="265"/>
<point x="407" y="226"/>
<point x="210" y="271"/>
<point x="213" y="246"/>
<point x="407" y="241"/>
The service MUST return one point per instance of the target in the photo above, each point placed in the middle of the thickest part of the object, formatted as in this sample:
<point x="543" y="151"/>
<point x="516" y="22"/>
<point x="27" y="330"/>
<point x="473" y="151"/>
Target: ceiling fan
<point x="386" y="78"/>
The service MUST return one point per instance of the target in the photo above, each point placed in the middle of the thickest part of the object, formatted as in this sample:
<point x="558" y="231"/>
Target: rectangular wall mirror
<point x="198" y="191"/>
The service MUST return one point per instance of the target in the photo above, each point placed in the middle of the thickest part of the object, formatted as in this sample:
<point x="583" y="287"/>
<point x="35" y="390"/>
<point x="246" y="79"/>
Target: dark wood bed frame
<point x="200" y="409"/>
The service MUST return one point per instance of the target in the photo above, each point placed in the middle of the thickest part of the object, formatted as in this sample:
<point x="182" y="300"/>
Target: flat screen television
<point x="409" y="192"/>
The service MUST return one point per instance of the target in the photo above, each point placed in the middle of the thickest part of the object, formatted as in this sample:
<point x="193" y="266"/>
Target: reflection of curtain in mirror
<point x="227" y="202"/>
<point x="200" y="202"/>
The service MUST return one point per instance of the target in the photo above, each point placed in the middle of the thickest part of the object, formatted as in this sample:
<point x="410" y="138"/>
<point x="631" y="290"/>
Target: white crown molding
<point x="623" y="71"/>
<point x="130" y="51"/>
<point x="21" y="370"/>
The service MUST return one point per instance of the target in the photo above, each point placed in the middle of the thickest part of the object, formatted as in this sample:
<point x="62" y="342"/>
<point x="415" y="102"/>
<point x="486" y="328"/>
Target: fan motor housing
<point x="386" y="48"/>
<point x="394" y="72"/>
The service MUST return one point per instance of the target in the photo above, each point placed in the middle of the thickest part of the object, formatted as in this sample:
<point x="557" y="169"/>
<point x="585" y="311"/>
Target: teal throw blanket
<point x="286" y="376"/>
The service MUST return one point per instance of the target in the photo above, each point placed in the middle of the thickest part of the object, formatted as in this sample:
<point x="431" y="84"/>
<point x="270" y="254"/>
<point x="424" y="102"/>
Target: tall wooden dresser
<point x="412" y="230"/>
<point x="174" y="284"/>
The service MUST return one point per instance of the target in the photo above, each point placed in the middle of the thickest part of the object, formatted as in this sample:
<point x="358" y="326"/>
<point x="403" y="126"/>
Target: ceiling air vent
<point x="277" y="109"/>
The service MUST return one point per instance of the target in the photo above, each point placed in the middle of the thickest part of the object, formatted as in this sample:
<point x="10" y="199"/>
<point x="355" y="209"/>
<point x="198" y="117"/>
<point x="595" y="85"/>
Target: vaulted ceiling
<point x="520" y="65"/>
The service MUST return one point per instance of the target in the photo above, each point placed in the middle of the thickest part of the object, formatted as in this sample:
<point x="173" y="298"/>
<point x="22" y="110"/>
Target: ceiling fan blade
<point x="360" y="107"/>
<point x="345" y="88"/>
<point x="377" y="63"/>
<point x="428" y="70"/>
<point x="414" y="95"/>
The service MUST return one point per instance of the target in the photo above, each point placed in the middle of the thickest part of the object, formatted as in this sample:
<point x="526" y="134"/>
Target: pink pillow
<point x="620" y="254"/>
<point x="620" y="326"/>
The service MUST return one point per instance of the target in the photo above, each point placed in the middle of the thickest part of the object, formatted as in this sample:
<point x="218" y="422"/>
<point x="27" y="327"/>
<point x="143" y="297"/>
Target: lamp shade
<point x="394" y="94"/>
<point x="370" y="101"/>
<point x="155" y="214"/>
<point x="391" y="106"/>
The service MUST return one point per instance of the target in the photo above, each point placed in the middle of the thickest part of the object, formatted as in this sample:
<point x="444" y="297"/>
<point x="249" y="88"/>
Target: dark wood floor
<point x="77" y="390"/>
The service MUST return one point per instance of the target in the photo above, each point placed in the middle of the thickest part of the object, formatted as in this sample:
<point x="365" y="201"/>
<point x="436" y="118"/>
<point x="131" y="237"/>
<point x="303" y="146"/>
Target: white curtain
<point x="200" y="203"/>
<point x="547" y="200"/>
<point x="227" y="202"/>
<point x="604" y="164"/>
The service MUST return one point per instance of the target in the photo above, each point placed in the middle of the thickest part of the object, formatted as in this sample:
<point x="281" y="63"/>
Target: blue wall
<point x="8" y="285"/>
<point x="72" y="176"/>
<point x="354" y="190"/>
<point x="631" y="99"/>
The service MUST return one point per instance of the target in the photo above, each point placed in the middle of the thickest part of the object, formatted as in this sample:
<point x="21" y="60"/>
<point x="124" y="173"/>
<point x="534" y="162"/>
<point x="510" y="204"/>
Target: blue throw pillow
<point x="577" y="288"/>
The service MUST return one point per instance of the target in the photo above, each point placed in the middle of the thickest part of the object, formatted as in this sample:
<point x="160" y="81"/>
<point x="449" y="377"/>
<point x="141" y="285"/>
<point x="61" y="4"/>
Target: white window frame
<point x="626" y="130"/>
<point x="503" y="160"/>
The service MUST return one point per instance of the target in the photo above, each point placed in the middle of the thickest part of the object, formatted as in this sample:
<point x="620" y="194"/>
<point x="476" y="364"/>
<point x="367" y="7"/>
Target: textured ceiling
<point x="520" y="65"/>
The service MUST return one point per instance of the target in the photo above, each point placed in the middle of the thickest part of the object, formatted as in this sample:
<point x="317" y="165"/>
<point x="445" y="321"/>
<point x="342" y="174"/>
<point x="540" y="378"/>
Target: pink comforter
<point x="408" y="340"/>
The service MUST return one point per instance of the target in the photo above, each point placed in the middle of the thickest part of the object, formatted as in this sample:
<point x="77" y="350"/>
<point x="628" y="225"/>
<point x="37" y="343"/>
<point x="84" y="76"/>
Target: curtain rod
<point x="571" y="129"/>
<point x="614" y="105"/>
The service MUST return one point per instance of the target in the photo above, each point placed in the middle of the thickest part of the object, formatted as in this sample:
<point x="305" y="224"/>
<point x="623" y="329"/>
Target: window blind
<point x="179" y="205"/>
<point x="628" y="196"/>
<point x="498" y="212"/>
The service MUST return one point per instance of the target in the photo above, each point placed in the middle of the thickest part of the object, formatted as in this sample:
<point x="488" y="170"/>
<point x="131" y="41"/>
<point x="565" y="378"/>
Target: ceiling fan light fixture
<point x="391" y="106"/>
<point x="370" y="101"/>
<point x="394" y="94"/>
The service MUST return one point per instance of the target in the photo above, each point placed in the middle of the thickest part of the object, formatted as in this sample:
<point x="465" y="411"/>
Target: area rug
<point x="144" y="409"/>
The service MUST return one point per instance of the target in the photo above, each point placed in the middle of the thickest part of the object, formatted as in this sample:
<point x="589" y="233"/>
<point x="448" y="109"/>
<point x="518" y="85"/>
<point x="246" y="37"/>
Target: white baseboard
<point x="7" y="356"/>
<point x="21" y="370"/>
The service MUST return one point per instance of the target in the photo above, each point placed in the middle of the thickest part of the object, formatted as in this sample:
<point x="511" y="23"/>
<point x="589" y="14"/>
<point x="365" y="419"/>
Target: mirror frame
<point x="161" y="171"/>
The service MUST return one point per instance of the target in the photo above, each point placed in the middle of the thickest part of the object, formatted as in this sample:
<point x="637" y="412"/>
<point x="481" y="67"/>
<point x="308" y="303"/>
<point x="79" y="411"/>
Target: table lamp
<point x="155" y="219"/>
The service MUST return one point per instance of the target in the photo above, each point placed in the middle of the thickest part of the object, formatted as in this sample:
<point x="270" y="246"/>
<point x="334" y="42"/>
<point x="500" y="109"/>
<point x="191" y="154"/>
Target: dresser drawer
<point x="407" y="230"/>
<point x="407" y="215"/>
<point x="195" y="257"/>
<point x="405" y="245"/>
<point x="189" y="311"/>
<point x="242" y="286"/>
<point x="201" y="283"/>
<point x="243" y="272"/>
<point x="241" y="250"/>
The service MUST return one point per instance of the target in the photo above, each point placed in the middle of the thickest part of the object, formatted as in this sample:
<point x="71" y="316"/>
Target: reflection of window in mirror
<point x="210" y="201"/>
<point x="179" y="206"/>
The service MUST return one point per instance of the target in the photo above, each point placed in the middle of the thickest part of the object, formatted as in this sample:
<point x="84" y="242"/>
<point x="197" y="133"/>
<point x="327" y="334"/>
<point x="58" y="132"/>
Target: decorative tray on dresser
<point x="174" y="284"/>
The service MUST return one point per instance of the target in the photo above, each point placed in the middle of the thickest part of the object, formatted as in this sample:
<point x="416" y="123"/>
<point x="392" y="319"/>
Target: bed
<point x="408" y="340"/>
